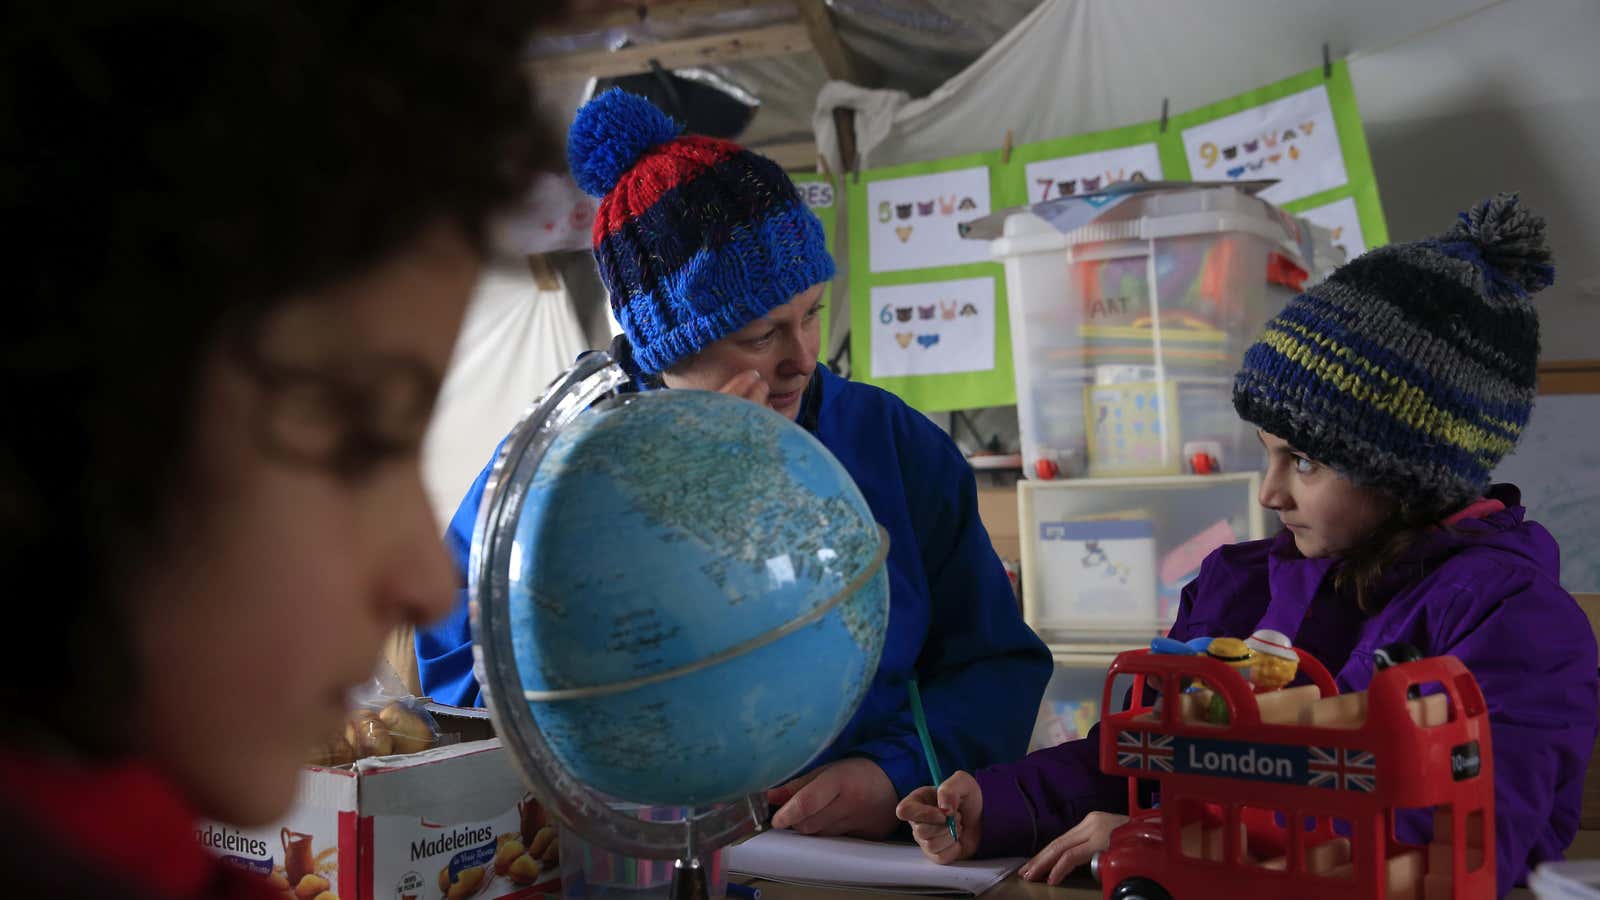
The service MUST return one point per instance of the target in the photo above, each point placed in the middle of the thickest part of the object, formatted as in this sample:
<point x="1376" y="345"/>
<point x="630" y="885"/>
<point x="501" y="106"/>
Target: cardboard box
<point x="997" y="509"/>
<point x="436" y="825"/>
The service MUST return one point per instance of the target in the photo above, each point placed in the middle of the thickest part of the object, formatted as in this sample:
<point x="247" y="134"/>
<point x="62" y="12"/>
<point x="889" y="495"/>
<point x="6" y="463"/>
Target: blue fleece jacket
<point x="953" y="621"/>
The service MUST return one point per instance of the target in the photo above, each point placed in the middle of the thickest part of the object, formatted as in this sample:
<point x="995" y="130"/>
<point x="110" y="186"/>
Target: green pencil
<point x="927" y="748"/>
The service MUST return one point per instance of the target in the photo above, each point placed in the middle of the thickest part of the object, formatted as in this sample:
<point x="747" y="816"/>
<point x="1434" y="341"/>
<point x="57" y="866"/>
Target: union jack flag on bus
<point x="1343" y="770"/>
<point x="1144" y="750"/>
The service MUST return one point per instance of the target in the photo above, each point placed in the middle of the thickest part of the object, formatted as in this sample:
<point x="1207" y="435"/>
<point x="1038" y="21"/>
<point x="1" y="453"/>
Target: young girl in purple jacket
<point x="1384" y="397"/>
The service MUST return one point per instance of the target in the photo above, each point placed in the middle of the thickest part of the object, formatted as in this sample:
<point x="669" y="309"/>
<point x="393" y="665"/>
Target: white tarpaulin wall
<point x="1073" y="66"/>
<point x="1459" y="98"/>
<point x="516" y="338"/>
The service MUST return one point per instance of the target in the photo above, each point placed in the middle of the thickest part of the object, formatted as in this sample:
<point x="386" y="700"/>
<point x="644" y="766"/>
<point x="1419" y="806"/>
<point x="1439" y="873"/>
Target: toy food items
<point x="1275" y="662"/>
<point x="1234" y="652"/>
<point x="1174" y="647"/>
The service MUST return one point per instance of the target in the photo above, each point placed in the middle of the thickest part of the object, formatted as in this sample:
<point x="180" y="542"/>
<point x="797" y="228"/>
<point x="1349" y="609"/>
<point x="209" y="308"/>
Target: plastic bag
<point x="384" y="720"/>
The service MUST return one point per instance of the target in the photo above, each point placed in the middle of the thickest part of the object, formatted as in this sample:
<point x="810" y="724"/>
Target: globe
<point x="696" y="596"/>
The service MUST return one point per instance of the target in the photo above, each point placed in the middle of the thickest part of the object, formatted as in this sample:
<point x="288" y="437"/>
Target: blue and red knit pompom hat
<point x="696" y="237"/>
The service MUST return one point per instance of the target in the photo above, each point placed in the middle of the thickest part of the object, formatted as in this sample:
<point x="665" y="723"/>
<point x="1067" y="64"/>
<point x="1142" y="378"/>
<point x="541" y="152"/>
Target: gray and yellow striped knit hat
<point x="1412" y="368"/>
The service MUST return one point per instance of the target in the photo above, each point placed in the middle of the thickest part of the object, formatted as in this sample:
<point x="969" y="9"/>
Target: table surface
<point x="1586" y="846"/>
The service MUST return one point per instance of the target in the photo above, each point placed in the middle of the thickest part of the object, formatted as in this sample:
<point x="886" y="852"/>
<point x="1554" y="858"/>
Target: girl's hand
<point x="926" y="810"/>
<point x="1073" y="849"/>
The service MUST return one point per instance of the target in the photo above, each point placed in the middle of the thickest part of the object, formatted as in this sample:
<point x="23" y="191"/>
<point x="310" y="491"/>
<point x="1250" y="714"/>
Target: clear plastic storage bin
<point x="1126" y="332"/>
<point x="1071" y="703"/>
<point x="1104" y="560"/>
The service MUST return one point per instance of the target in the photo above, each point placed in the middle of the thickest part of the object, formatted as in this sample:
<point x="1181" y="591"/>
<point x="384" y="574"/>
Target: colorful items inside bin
<point x="1209" y="277"/>
<point x="594" y="873"/>
<point x="1142" y="427"/>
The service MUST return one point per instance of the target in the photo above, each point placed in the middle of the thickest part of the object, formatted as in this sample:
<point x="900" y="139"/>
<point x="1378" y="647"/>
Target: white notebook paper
<point x="850" y="863"/>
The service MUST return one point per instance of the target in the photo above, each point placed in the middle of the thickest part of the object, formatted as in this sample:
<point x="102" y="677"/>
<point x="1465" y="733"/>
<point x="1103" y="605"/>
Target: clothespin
<point x="1327" y="62"/>
<point x="1005" y="152"/>
<point x="1164" y="115"/>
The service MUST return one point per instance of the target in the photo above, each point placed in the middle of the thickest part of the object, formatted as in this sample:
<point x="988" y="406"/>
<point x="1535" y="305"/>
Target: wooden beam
<point x="793" y="155"/>
<point x="836" y="60"/>
<point x="597" y="16"/>
<point x="544" y="272"/>
<point x="844" y="122"/>
<point x="1578" y="376"/>
<point x="712" y="49"/>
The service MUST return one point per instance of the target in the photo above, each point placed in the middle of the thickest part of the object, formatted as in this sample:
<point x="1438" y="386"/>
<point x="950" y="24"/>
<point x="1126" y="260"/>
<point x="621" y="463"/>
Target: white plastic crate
<point x="1104" y="560"/>
<point x="1071" y="702"/>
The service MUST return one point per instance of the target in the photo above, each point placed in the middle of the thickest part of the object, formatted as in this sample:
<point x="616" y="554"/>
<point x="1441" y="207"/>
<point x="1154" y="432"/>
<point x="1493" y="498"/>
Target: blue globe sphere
<point x="697" y="598"/>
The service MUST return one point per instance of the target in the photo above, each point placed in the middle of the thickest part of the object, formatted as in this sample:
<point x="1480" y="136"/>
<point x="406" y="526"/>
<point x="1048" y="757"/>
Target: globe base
<point x="689" y="881"/>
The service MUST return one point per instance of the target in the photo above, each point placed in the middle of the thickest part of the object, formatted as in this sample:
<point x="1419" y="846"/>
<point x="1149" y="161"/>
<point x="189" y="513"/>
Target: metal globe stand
<point x="689" y="841"/>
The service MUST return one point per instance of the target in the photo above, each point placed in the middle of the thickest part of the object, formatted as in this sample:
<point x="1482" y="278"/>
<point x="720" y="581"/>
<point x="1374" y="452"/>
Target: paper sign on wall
<point x="817" y="192"/>
<point x="1292" y="139"/>
<point x="913" y="220"/>
<point x="933" y="329"/>
<point x="1049" y="179"/>
<point x="1343" y="219"/>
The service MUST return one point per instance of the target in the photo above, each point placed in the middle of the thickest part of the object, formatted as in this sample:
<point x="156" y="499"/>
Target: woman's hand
<point x="849" y="796"/>
<point x="749" y="385"/>
<point x="1073" y="849"/>
<point x="926" y="810"/>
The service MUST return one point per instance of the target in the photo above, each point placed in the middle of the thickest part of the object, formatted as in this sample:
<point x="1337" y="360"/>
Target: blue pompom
<point x="610" y="134"/>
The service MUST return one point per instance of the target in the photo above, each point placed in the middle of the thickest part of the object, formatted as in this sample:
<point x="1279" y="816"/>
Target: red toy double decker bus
<point x="1248" y="807"/>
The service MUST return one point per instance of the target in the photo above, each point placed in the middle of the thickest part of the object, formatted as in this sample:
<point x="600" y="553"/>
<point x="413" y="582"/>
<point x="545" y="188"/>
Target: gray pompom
<point x="1511" y="238"/>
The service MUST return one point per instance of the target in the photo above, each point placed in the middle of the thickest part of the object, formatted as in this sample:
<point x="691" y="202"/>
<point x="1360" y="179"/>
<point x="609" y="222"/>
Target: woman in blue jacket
<point x="716" y="270"/>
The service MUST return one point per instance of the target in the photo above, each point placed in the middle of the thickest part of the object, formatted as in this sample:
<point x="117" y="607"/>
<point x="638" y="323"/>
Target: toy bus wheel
<point x="1140" y="889"/>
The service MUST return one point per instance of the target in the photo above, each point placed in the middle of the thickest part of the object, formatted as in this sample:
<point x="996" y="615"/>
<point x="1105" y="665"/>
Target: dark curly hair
<point x="170" y="173"/>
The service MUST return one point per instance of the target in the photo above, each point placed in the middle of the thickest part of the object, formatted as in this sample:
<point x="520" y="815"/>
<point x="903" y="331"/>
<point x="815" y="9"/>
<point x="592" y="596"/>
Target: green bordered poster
<point x="1084" y="163"/>
<point x="1303" y="131"/>
<point x="928" y="307"/>
<point x="928" y="314"/>
<point x="819" y="193"/>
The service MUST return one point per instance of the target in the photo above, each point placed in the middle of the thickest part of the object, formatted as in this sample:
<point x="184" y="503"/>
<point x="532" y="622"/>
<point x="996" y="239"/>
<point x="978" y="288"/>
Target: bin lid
<point x="1070" y="213"/>
<point x="1083" y="218"/>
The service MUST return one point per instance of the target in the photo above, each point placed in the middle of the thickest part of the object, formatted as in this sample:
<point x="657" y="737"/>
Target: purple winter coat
<point x="1484" y="590"/>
